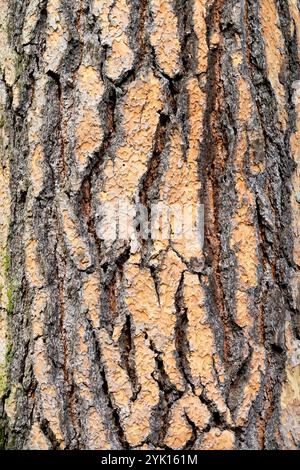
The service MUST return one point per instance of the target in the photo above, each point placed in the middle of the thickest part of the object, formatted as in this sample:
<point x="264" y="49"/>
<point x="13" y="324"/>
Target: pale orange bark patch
<point x="117" y="377"/>
<point x="32" y="265"/>
<point x="243" y="317"/>
<point x="121" y="56"/>
<point x="275" y="50"/>
<point x="47" y="390"/>
<point x="37" y="439"/>
<point x="157" y="318"/>
<point x="97" y="439"/>
<point x="199" y="15"/>
<point x="89" y="84"/>
<point x="57" y="38"/>
<point x="101" y="10"/>
<point x="95" y="429"/>
<point x="245" y="110"/>
<point x="88" y="136"/>
<point x="179" y="430"/>
<point x="170" y="275"/>
<point x="114" y="18"/>
<point x="164" y="36"/>
<point x="141" y="297"/>
<point x="137" y="425"/>
<point x="91" y="298"/>
<point x="36" y="168"/>
<point x="88" y="129"/>
<point x="252" y="387"/>
<point x="201" y="343"/>
<point x="122" y="175"/>
<point x="214" y="39"/>
<point x="248" y="135"/>
<point x="237" y="59"/>
<point x="36" y="160"/>
<point x="78" y="247"/>
<point x="30" y="21"/>
<point x="244" y="242"/>
<point x="216" y="439"/>
<point x="140" y="117"/>
<point x="244" y="239"/>
<point x="181" y="185"/>
<point x="37" y="310"/>
<point x="196" y="109"/>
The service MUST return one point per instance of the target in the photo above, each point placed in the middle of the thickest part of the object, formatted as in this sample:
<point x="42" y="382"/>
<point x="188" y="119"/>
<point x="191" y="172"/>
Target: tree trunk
<point x="133" y="341"/>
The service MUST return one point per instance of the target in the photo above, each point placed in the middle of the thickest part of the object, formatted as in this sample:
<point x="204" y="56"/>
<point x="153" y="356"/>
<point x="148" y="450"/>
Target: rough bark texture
<point x="107" y="347"/>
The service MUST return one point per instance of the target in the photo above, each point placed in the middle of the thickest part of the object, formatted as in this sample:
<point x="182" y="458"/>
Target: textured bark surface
<point x="103" y="346"/>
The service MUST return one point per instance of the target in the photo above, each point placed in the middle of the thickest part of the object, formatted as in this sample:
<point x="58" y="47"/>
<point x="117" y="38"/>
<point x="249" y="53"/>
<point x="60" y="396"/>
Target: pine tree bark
<point x="105" y="346"/>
